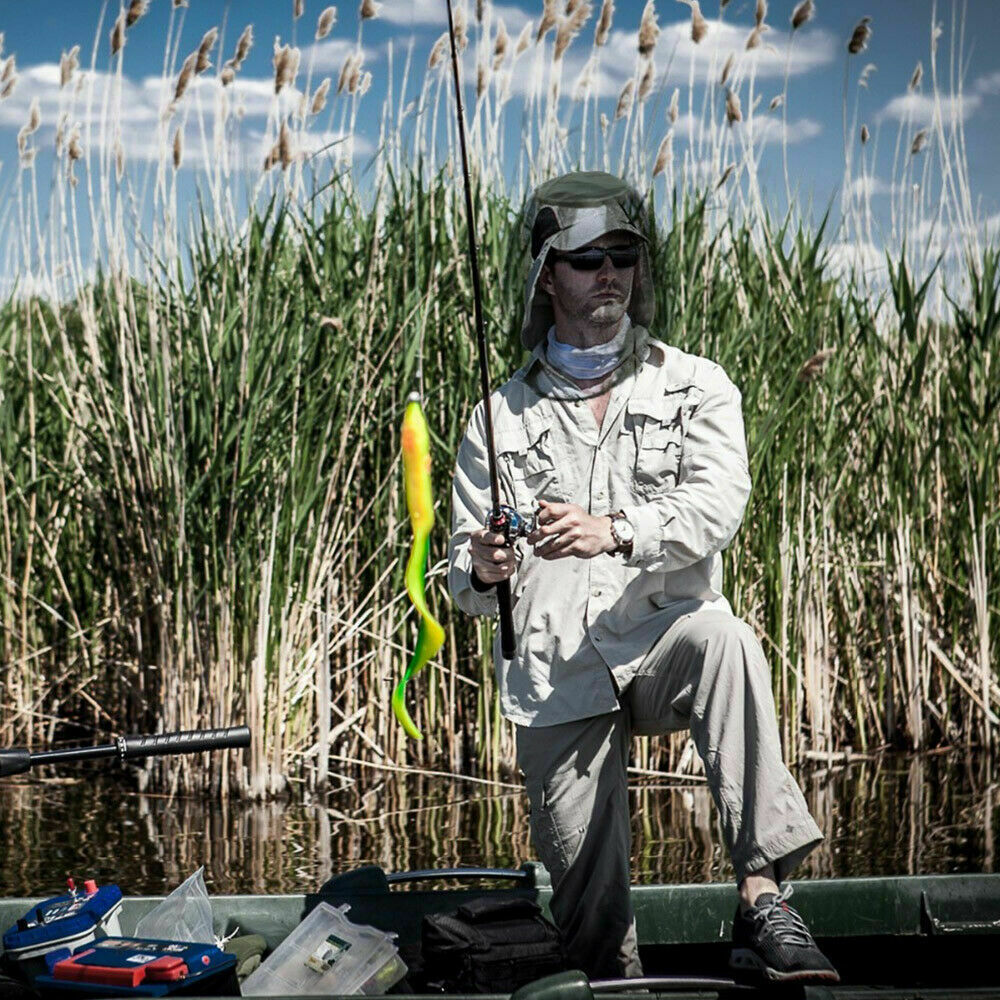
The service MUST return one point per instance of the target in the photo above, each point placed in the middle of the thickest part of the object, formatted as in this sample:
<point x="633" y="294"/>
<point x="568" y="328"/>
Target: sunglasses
<point x="592" y="258"/>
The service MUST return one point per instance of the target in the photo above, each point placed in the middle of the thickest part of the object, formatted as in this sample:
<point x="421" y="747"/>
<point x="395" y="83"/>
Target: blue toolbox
<point x="124" y="967"/>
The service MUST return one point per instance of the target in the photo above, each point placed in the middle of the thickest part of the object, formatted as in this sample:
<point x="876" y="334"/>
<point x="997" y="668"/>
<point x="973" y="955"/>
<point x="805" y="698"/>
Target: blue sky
<point x="37" y="34"/>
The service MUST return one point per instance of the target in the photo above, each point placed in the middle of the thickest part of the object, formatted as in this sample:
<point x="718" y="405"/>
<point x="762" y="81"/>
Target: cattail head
<point x="699" y="26"/>
<point x="180" y="3"/>
<point x="285" y="146"/>
<point x="726" y="69"/>
<point x="918" y="74"/>
<point x="461" y="28"/>
<point x="919" y="141"/>
<point x="664" y="155"/>
<point x="9" y="68"/>
<point x="674" y="106"/>
<point x="243" y="46"/>
<point x="864" y="134"/>
<point x="118" y="35"/>
<point x="286" y="66"/>
<point x="605" y="124"/>
<point x="859" y="37"/>
<point x="753" y="39"/>
<point x="178" y="149"/>
<point x="624" y="100"/>
<point x="604" y="22"/>
<point x="500" y="44"/>
<point x="228" y="74"/>
<point x="347" y="70"/>
<point x="733" y="112"/>
<point x="73" y="148"/>
<point x="813" y="368"/>
<point x="649" y="30"/>
<point x="438" y="52"/>
<point x="184" y="78"/>
<point x="776" y="102"/>
<point x="7" y="86"/>
<point x="523" y="39"/>
<point x="480" y="11"/>
<point x="865" y="73"/>
<point x="319" y="98"/>
<point x="726" y="174"/>
<point x="119" y="159"/>
<point x="803" y="12"/>
<point x="325" y="23"/>
<point x="368" y="10"/>
<point x="646" y="80"/>
<point x="205" y="50"/>
<point x="135" y="10"/>
<point x="549" y="18"/>
<point x="481" y="79"/>
<point x="760" y="13"/>
<point x="571" y="26"/>
<point x="68" y="63"/>
<point x="298" y="9"/>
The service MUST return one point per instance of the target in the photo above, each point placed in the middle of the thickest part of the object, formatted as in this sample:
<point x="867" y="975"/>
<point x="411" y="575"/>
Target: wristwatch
<point x="622" y="532"/>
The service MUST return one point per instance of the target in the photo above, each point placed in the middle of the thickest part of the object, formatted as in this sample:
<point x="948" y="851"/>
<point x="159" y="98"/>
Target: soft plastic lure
<point x="417" y="478"/>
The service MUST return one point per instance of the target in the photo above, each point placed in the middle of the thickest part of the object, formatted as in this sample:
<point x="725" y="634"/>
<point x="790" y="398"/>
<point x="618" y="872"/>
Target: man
<point x="634" y="456"/>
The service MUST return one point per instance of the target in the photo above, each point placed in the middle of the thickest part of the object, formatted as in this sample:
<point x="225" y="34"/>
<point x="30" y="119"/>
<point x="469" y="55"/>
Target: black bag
<point x="489" y="946"/>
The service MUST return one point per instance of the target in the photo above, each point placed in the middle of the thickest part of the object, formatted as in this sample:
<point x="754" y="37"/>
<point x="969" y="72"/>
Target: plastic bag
<point x="185" y="915"/>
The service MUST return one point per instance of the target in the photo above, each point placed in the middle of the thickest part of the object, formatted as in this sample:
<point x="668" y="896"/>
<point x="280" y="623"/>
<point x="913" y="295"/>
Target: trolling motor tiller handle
<point x="17" y="760"/>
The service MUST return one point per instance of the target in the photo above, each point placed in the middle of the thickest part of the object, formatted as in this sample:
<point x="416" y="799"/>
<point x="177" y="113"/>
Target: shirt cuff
<point x="645" y="521"/>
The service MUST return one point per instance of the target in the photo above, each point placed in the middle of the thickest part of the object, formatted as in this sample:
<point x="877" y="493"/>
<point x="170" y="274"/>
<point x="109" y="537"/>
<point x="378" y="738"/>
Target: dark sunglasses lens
<point x="586" y="260"/>
<point x="624" y="256"/>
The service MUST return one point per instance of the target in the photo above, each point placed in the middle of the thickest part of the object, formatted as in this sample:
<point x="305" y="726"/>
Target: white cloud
<point x="869" y="186"/>
<point x="988" y="84"/>
<point x="861" y="259"/>
<point x="922" y="109"/>
<point x="434" y="14"/>
<point x="329" y="54"/>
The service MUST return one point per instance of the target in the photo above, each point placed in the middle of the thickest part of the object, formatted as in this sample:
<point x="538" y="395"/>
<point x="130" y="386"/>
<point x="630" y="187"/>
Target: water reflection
<point x="894" y="814"/>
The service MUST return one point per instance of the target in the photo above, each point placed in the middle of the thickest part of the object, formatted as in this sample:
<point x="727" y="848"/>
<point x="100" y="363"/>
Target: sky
<point x="816" y="60"/>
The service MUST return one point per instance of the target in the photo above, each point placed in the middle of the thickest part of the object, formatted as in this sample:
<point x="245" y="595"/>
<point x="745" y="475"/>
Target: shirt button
<point x="598" y="637"/>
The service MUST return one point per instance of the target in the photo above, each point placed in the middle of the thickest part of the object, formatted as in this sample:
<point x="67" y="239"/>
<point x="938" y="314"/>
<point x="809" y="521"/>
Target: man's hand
<point x="579" y="534"/>
<point x="492" y="560"/>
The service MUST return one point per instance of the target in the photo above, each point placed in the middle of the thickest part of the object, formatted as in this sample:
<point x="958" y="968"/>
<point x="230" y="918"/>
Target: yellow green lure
<point x="417" y="478"/>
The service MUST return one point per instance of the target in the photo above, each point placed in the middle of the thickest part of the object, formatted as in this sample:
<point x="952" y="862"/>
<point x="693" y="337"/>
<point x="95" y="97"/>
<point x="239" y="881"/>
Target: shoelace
<point x="781" y="920"/>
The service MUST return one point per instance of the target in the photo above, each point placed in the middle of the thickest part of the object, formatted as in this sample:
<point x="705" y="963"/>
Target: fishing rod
<point x="502" y="520"/>
<point x="17" y="760"/>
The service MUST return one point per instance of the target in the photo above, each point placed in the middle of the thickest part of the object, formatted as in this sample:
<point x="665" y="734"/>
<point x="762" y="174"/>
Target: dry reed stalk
<point x="919" y="142"/>
<point x="624" y="100"/>
<point x="119" y="159"/>
<point x="605" y="124"/>
<point x="760" y="13"/>
<point x="298" y="9"/>
<point x="364" y="83"/>
<point x="118" y="35"/>
<point x="368" y="10"/>
<point x="674" y="107"/>
<point x="68" y="64"/>
<point x="500" y="45"/>
<point x="864" y="134"/>
<point x="178" y="147"/>
<point x="733" y="111"/>
<point x="776" y="102"/>
<point x="805" y="11"/>
<point x="664" y="155"/>
<point x="570" y="27"/>
<point x="918" y="73"/>
<point x="319" y="98"/>
<point x="649" y="30"/>
<point x="185" y="76"/>
<point x="136" y="9"/>
<point x="860" y="36"/>
<point x="548" y="20"/>
<point x="865" y="73"/>
<point x="205" y="50"/>
<point x="324" y="24"/>
<point x="604" y="23"/>
<point x="480" y="11"/>
<point x="726" y="174"/>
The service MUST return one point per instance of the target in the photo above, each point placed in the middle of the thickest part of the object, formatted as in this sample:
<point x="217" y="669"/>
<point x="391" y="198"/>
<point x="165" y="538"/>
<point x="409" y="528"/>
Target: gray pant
<point x="708" y="673"/>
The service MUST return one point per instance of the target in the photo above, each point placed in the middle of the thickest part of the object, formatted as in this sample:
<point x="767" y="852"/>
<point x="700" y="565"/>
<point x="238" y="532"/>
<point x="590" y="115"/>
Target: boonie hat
<point x="571" y="211"/>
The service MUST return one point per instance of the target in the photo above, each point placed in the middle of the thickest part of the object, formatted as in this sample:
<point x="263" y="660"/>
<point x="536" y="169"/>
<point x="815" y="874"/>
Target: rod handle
<point x="16" y="760"/>
<point x="508" y="645"/>
<point x="195" y="741"/>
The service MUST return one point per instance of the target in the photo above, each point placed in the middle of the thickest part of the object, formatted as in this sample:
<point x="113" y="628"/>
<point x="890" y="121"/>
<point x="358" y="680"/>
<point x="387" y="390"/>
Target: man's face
<point x="598" y="298"/>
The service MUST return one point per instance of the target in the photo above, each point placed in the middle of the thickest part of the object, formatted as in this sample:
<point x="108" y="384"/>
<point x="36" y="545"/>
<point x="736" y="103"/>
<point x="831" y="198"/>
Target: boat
<point x="891" y="938"/>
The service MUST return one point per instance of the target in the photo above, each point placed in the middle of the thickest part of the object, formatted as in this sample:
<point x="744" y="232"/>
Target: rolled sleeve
<point x="702" y="513"/>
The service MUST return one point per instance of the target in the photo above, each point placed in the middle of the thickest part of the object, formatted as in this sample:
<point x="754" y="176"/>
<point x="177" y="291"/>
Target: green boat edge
<point x="911" y="927"/>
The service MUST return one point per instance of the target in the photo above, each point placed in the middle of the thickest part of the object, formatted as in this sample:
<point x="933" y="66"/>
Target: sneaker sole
<point x="745" y="960"/>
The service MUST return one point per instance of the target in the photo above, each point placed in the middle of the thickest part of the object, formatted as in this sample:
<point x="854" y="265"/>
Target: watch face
<point x="623" y="531"/>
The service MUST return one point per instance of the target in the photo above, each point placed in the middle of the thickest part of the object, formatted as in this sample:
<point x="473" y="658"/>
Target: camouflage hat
<point x="568" y="212"/>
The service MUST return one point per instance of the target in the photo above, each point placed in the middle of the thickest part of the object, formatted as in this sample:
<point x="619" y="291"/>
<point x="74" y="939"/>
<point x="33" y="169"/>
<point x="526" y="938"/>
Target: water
<point x="896" y="814"/>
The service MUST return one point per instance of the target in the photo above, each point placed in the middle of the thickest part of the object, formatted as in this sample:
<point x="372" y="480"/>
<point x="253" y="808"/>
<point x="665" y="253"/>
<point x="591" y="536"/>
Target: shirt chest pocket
<point x="659" y="425"/>
<point x="526" y="464"/>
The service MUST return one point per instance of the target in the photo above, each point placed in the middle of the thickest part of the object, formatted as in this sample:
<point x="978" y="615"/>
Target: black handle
<point x="185" y="742"/>
<point x="518" y="874"/>
<point x="17" y="760"/>
<point x="508" y="646"/>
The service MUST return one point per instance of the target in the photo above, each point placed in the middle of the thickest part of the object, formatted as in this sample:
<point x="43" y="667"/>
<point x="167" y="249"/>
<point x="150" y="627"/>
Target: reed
<point x="201" y="516"/>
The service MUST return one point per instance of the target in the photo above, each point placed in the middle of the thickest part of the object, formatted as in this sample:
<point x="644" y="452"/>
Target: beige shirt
<point x="671" y="454"/>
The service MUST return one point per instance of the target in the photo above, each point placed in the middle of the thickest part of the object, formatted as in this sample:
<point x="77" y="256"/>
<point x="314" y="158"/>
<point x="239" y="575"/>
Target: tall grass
<point x="201" y="517"/>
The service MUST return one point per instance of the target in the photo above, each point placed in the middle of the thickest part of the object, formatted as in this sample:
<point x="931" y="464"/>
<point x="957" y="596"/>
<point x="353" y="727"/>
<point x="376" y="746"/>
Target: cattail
<point x="74" y="150"/>
<point x="187" y="71"/>
<point x="8" y="87"/>
<point x="9" y="67"/>
<point x="605" y="124"/>
<point x="285" y="146"/>
<point x="243" y="46"/>
<point x="760" y="13"/>
<point x="646" y="82"/>
<point x="604" y="23"/>
<point x="119" y="159"/>
<point x="664" y="155"/>
<point x="733" y="112"/>
<point x="674" y="106"/>
<point x="864" y="134"/>
<point x="319" y="98"/>
<point x="570" y="27"/>
<point x="549" y="19"/>
<point x="865" y="73"/>
<point x="118" y="35"/>
<point x="726" y="68"/>
<point x="571" y="7"/>
<point x="348" y="68"/>
<point x="919" y="141"/>
<point x="461" y="29"/>
<point x="205" y="50"/>
<point x="286" y="66"/>
<point x="298" y="9"/>
<point x="178" y="147"/>
<point x="918" y="74"/>
<point x="30" y="126"/>
<point x="364" y="83"/>
<point x="227" y="75"/>
<point x="753" y="39"/>
<point x="813" y="368"/>
<point x="859" y="37"/>
<point x="500" y="45"/>
<point x="368" y="10"/>
<point x="135" y="10"/>
<point x="649" y="30"/>
<point x="726" y="174"/>
<point x="776" y="102"/>
<point x="180" y="3"/>
<point x="624" y="101"/>
<point x="326" y="22"/>
<point x="523" y="39"/>
<point x="438" y="52"/>
<point x="803" y="12"/>
<point x="698" y="23"/>
<point x="480" y="79"/>
<point x="331" y="323"/>
<point x="68" y="63"/>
